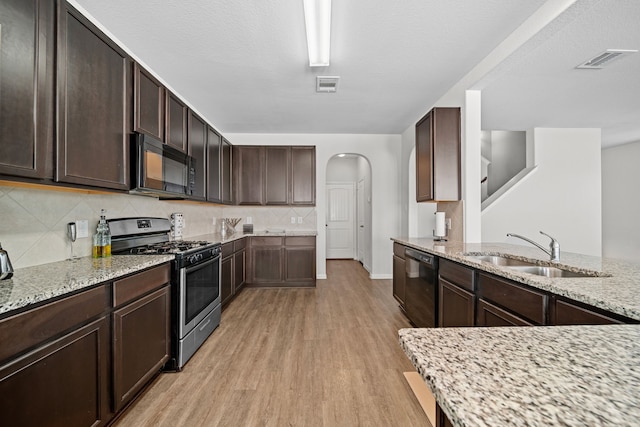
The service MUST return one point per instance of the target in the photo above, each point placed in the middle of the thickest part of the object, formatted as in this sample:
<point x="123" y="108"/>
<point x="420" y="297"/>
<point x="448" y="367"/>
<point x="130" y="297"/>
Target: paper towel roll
<point x="441" y="229"/>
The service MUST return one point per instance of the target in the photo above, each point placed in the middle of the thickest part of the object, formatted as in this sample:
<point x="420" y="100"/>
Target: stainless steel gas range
<point x="195" y="284"/>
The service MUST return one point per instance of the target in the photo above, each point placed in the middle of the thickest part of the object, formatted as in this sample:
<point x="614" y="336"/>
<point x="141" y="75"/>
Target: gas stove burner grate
<point x="170" y="247"/>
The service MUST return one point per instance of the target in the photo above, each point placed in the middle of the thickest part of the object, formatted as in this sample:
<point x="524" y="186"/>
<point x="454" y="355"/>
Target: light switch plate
<point x="299" y="220"/>
<point x="249" y="220"/>
<point x="82" y="228"/>
<point x="293" y="220"/>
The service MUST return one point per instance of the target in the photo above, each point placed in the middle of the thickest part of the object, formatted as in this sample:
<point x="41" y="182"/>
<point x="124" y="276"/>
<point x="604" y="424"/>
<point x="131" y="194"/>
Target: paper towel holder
<point x="437" y="238"/>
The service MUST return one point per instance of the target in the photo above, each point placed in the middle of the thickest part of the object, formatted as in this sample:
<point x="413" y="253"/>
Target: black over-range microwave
<point x="160" y="170"/>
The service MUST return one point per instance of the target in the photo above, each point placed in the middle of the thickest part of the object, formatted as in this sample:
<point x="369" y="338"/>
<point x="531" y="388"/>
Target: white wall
<point x="383" y="153"/>
<point x="342" y="169"/>
<point x="508" y="157"/>
<point x="562" y="197"/>
<point x="621" y="202"/>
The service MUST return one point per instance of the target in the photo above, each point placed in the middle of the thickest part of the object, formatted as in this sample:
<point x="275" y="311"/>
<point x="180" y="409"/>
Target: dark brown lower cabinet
<point x="141" y="343"/>
<point x="456" y="305"/>
<point x="232" y="269"/>
<point x="564" y="312"/>
<point x="282" y="261"/>
<point x="490" y="315"/>
<point x="63" y="383"/>
<point x="441" y="418"/>
<point x="399" y="265"/>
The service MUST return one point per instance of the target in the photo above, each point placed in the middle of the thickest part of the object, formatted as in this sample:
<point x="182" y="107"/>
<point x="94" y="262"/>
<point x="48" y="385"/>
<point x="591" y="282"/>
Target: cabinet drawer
<point x="227" y="249"/>
<point x="300" y="241"/>
<point x="239" y="244"/>
<point x="492" y="316"/>
<point x="132" y="287"/>
<point x="524" y="302"/>
<point x="24" y="330"/>
<point x="456" y="273"/>
<point x="398" y="250"/>
<point x="267" y="241"/>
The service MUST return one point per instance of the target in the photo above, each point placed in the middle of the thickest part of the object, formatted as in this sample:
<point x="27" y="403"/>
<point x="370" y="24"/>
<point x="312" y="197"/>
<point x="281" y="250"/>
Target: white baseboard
<point x="380" y="276"/>
<point x="321" y="277"/>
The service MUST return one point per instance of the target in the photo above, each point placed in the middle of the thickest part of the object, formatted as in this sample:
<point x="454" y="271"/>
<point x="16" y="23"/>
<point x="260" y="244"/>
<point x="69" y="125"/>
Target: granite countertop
<point x="32" y="285"/>
<point x="218" y="238"/>
<point x="618" y="290"/>
<point x="531" y="376"/>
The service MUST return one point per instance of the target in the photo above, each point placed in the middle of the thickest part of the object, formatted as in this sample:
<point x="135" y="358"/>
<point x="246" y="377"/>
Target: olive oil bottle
<point x="102" y="238"/>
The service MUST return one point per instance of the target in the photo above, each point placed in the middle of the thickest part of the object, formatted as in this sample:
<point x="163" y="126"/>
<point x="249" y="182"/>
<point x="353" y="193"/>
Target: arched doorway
<point x="348" y="208"/>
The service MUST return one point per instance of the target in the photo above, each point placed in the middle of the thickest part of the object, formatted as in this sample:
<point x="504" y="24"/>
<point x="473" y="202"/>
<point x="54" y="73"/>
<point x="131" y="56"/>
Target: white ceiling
<point x="243" y="64"/>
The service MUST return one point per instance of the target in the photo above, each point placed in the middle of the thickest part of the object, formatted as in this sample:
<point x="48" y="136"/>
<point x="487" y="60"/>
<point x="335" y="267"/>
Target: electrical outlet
<point x="82" y="228"/>
<point x="214" y="221"/>
<point x="249" y="220"/>
<point x="299" y="220"/>
<point x="293" y="220"/>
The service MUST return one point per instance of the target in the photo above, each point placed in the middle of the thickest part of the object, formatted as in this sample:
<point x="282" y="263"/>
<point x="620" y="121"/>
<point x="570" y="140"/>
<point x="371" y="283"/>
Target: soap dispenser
<point x="6" y="269"/>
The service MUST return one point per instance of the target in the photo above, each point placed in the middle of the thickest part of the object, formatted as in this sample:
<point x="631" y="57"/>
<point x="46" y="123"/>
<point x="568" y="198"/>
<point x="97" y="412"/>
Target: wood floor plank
<point x="325" y="356"/>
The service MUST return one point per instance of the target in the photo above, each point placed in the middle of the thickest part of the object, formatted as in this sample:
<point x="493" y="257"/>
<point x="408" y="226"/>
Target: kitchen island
<point x="533" y="376"/>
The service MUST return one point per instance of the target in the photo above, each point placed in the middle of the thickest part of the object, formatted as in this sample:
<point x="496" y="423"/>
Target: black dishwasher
<point x="421" y="288"/>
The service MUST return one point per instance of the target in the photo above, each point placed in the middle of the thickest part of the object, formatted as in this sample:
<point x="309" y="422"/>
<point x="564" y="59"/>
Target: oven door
<point x="199" y="293"/>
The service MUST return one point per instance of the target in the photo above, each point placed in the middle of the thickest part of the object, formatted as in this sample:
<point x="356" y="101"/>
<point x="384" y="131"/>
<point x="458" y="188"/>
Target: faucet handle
<point x="554" y="246"/>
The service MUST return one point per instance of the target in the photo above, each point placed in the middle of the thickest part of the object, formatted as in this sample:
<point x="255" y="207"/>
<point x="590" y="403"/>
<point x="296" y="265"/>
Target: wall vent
<point x="327" y="84"/>
<point x="605" y="58"/>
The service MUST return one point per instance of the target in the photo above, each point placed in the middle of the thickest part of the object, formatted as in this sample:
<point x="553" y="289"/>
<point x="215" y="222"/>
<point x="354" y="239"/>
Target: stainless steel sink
<point x="500" y="260"/>
<point x="541" y="270"/>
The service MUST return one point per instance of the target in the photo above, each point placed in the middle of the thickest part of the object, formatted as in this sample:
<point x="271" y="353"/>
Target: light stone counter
<point x="32" y="285"/>
<point x="617" y="291"/>
<point x="531" y="376"/>
<point x="218" y="238"/>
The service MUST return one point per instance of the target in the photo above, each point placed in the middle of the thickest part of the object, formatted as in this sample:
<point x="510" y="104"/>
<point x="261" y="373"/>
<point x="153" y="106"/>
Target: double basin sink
<point x="531" y="267"/>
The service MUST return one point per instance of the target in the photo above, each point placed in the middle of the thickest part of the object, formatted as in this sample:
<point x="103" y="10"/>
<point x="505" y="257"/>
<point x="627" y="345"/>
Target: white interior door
<point x="340" y="221"/>
<point x="360" y="197"/>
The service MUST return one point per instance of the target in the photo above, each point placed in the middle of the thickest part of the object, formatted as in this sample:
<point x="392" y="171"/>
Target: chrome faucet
<point x="554" y="246"/>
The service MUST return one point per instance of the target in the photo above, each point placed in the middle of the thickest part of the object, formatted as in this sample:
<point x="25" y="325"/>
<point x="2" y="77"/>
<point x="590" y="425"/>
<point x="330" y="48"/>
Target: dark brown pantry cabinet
<point x="26" y="88"/>
<point x="438" y="156"/>
<point x="94" y="93"/>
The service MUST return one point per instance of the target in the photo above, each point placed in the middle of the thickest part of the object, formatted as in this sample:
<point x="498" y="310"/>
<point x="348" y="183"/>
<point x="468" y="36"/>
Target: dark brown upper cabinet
<point x="226" y="177"/>
<point x="303" y="176"/>
<point x="277" y="174"/>
<point x="214" y="159"/>
<point x="26" y="88"/>
<point x="198" y="150"/>
<point x="176" y="120"/>
<point x="148" y="107"/>
<point x="274" y="175"/>
<point x="248" y="170"/>
<point x="94" y="98"/>
<point x="438" y="156"/>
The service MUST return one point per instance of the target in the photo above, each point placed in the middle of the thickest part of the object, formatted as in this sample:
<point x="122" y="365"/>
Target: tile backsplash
<point x="33" y="221"/>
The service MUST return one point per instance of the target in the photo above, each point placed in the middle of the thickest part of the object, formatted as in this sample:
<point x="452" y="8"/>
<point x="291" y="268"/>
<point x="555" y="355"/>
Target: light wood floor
<point x="327" y="356"/>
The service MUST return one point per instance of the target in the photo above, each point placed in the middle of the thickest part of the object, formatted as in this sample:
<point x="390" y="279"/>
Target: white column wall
<point x="383" y="154"/>
<point x="621" y="202"/>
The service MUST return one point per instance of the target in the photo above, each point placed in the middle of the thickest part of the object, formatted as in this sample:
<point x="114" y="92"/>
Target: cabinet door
<point x="248" y="169"/>
<point x="524" y="302"/>
<point x="141" y="339"/>
<point x="226" y="279"/>
<point x="303" y="176"/>
<point x="399" y="279"/>
<point x="198" y="150"/>
<point x="238" y="270"/>
<point x="456" y="306"/>
<point x="424" y="159"/>
<point x="62" y="383"/>
<point x="94" y="98"/>
<point x="214" y="158"/>
<point x="490" y="315"/>
<point x="26" y="88"/>
<point x="148" y="117"/>
<point x="176" y="122"/>
<point x="266" y="265"/>
<point x="277" y="160"/>
<point x="567" y="313"/>
<point x="226" y="178"/>
<point x="300" y="265"/>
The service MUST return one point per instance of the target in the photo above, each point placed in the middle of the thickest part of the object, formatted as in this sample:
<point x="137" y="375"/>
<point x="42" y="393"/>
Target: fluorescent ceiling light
<point x="317" y="19"/>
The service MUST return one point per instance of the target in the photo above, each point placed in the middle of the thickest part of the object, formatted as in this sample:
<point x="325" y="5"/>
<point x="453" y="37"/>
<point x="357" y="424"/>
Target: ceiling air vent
<point x="605" y="58"/>
<point x="326" y="83"/>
